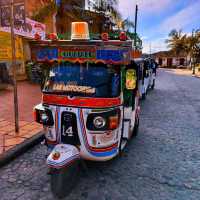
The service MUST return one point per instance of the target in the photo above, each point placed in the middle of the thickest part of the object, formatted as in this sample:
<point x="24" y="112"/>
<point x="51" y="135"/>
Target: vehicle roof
<point x="110" y="52"/>
<point x="60" y="43"/>
<point x="138" y="60"/>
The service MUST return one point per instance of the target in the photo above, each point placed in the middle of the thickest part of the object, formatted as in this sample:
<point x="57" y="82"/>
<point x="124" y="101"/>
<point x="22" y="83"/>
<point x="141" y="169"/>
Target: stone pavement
<point x="28" y="95"/>
<point x="162" y="163"/>
<point x="185" y="72"/>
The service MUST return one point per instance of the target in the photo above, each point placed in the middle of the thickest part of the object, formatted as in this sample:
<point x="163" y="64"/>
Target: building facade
<point x="37" y="7"/>
<point x="169" y="59"/>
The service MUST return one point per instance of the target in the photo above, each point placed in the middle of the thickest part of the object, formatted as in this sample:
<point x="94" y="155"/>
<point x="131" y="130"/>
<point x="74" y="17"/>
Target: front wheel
<point x="153" y="85"/>
<point x="144" y="96"/>
<point x="63" y="180"/>
<point x="136" y="127"/>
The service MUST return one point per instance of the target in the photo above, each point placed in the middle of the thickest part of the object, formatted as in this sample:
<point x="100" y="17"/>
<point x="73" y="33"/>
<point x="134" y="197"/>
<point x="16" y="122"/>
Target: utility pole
<point x="193" y="54"/>
<point x="14" y="68"/>
<point x="150" y="49"/>
<point x="135" y="28"/>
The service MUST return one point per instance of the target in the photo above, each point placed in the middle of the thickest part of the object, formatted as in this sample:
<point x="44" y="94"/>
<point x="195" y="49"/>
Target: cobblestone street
<point x="162" y="163"/>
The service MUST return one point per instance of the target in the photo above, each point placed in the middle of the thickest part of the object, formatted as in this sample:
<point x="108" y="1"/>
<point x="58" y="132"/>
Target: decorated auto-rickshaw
<point x="143" y="76"/>
<point x="146" y="76"/>
<point x="90" y="103"/>
<point x="153" y="68"/>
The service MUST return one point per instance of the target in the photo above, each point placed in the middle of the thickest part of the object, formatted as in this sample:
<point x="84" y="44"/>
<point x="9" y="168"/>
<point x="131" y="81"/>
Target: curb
<point x="196" y="76"/>
<point x="20" y="149"/>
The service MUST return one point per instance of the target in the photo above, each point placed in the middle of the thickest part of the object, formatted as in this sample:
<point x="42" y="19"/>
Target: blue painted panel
<point x="47" y="54"/>
<point x="114" y="55"/>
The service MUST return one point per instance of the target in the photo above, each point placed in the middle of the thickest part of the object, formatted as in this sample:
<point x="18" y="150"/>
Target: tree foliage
<point x="185" y="43"/>
<point x="46" y="10"/>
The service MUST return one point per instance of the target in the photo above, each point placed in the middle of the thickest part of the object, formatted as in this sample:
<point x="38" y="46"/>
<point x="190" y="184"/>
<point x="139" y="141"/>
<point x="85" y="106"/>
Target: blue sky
<point x="156" y="18"/>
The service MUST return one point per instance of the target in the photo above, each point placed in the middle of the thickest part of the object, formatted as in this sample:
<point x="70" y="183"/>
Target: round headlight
<point x="44" y="117"/>
<point x="99" y="122"/>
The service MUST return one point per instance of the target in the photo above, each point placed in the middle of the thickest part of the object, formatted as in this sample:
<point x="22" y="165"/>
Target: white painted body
<point x="92" y="143"/>
<point x="102" y="140"/>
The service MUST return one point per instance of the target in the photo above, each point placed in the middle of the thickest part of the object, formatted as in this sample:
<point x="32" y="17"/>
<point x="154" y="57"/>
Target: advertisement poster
<point x="29" y="29"/>
<point x="5" y="47"/>
<point x="19" y="15"/>
<point x="5" y="13"/>
<point x="5" y="16"/>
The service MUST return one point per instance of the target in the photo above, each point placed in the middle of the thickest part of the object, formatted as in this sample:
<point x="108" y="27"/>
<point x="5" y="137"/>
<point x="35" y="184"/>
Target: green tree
<point x="127" y="24"/>
<point x="109" y="7"/>
<point x="177" y="41"/>
<point x="48" y="9"/>
<point x="184" y="43"/>
<point x="68" y="8"/>
<point x="192" y="47"/>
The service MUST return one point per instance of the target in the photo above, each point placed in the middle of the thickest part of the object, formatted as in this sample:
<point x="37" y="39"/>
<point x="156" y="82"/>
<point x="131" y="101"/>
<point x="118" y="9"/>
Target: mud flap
<point x="64" y="164"/>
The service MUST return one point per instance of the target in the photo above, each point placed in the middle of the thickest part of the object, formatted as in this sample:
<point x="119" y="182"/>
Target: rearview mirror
<point x="131" y="79"/>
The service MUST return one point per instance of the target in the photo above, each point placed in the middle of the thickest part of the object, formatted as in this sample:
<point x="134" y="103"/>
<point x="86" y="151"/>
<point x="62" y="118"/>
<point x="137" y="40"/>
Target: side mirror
<point x="131" y="79"/>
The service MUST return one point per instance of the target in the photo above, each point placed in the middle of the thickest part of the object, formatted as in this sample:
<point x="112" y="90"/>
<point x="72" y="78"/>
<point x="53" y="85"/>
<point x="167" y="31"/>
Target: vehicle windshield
<point x="88" y="80"/>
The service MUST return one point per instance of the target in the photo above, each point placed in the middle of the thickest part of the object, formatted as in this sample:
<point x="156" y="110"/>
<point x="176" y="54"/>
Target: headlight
<point x="44" y="117"/>
<point x="99" y="122"/>
<point x="103" y="121"/>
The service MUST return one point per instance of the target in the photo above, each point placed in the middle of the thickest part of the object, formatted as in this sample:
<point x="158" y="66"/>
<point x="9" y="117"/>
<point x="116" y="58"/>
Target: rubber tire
<point x="136" y="128"/>
<point x="144" y="96"/>
<point x="64" y="180"/>
<point x="153" y="86"/>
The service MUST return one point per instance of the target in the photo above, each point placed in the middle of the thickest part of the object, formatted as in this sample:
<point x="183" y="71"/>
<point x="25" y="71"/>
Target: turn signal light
<point x="113" y="122"/>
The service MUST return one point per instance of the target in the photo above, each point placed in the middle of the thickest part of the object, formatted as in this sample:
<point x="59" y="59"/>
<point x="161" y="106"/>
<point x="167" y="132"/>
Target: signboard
<point x="81" y="54"/>
<point x="131" y="79"/>
<point x="29" y="29"/>
<point x="8" y="2"/>
<point x="74" y="54"/>
<point x="18" y="13"/>
<point x="114" y="55"/>
<point x="5" y="47"/>
<point x="61" y="87"/>
<point x="5" y="16"/>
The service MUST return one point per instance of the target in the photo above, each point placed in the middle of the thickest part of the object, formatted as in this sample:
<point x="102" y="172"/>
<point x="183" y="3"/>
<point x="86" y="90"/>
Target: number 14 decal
<point x="68" y="132"/>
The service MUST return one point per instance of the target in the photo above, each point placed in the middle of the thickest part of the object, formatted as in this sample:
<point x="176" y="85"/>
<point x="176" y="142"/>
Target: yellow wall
<point x="6" y="49"/>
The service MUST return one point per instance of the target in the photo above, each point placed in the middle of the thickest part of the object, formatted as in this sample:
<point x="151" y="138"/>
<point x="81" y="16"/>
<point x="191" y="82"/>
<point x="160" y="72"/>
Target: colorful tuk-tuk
<point x="90" y="104"/>
<point x="153" y="68"/>
<point x="147" y="75"/>
<point x="143" y="76"/>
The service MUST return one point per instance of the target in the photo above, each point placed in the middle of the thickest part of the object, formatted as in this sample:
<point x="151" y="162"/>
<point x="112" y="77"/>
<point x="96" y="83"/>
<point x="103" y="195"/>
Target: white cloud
<point x="186" y="19"/>
<point x="127" y="7"/>
<point x="182" y="19"/>
<point x="154" y="45"/>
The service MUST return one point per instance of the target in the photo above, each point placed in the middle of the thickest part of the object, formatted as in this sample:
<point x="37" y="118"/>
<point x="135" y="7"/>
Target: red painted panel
<point x="81" y="102"/>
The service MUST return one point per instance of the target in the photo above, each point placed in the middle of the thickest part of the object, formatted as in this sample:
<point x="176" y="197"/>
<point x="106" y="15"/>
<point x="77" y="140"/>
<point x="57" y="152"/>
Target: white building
<point x="170" y="59"/>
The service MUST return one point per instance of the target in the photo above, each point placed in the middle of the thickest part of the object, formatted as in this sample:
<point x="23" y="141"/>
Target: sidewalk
<point x="28" y="96"/>
<point x="185" y="72"/>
